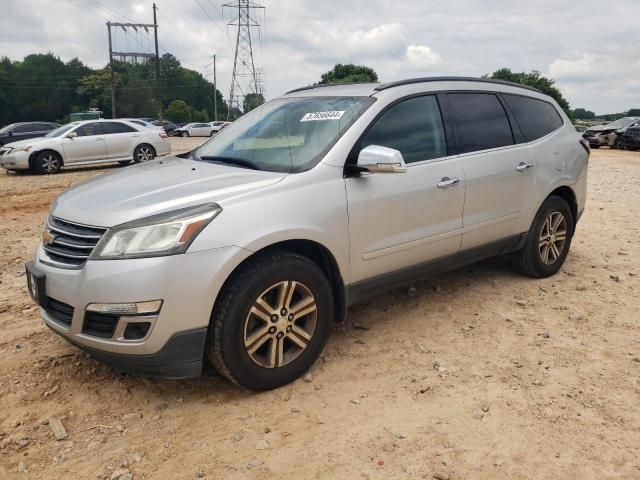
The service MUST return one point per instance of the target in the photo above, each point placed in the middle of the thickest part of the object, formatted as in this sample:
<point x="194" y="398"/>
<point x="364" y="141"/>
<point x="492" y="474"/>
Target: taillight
<point x="585" y="145"/>
<point x="163" y="135"/>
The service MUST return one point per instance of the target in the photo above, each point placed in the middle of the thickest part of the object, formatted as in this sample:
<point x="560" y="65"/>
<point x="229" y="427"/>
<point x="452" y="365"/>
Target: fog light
<point x="138" y="308"/>
<point x="136" y="331"/>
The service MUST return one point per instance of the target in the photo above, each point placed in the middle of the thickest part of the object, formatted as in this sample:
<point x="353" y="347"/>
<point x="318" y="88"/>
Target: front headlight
<point x="164" y="234"/>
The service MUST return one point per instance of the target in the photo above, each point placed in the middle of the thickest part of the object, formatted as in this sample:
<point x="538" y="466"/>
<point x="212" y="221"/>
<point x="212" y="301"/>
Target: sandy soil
<point x="480" y="373"/>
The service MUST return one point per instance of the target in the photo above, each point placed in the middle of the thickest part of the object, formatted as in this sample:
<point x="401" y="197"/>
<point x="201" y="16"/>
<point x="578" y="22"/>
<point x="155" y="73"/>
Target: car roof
<point x="370" y="89"/>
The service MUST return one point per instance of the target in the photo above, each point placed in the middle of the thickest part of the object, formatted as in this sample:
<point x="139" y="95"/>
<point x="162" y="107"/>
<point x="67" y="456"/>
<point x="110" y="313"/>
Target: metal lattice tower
<point x="246" y="78"/>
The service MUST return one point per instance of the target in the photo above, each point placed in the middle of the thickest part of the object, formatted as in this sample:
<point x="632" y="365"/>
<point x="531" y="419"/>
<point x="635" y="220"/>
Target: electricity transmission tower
<point x="135" y="57"/>
<point x="246" y="78"/>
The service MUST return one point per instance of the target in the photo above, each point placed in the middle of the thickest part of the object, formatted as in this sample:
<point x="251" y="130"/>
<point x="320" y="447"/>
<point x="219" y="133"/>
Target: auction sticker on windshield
<point x="315" y="116"/>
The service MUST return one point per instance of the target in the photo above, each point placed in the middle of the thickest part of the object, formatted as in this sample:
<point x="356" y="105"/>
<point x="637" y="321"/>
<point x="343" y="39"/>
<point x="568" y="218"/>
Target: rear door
<point x="120" y="139"/>
<point x="87" y="146"/>
<point x="400" y="220"/>
<point x="499" y="172"/>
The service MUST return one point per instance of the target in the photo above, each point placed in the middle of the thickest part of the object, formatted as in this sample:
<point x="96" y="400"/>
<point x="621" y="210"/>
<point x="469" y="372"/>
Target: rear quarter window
<point x="536" y="118"/>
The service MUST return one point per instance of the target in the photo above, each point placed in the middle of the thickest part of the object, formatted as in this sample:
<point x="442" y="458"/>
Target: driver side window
<point x="414" y="127"/>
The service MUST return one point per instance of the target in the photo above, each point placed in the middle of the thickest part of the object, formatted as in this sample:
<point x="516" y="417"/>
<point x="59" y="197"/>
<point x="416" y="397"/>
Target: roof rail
<point x="398" y="83"/>
<point x="320" y="85"/>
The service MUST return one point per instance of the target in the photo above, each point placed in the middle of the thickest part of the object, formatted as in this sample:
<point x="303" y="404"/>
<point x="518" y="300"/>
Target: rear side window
<point x="535" y="118"/>
<point x="414" y="127"/>
<point x="110" y="128"/>
<point x="89" y="129"/>
<point x="25" y="128"/>
<point x="480" y="120"/>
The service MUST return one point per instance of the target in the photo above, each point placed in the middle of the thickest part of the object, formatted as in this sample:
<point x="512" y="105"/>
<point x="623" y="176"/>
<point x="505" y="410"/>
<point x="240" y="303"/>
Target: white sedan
<point x="194" y="130"/>
<point x="85" y="142"/>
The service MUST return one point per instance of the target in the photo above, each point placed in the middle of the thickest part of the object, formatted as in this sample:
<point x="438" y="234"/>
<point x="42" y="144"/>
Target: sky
<point x="591" y="48"/>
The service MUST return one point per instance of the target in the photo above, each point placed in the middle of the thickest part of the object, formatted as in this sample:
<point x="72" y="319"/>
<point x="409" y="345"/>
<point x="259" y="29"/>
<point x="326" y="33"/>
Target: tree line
<point x="43" y="87"/>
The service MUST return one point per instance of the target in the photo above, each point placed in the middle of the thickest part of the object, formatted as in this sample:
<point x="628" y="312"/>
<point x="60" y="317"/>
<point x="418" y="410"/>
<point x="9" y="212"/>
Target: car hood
<point x="28" y="141"/>
<point x="156" y="187"/>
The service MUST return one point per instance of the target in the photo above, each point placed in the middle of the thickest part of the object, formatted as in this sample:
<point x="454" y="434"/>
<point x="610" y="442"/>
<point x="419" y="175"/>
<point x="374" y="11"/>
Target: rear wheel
<point x="143" y="153"/>
<point x="271" y="321"/>
<point x="548" y="240"/>
<point x="47" y="163"/>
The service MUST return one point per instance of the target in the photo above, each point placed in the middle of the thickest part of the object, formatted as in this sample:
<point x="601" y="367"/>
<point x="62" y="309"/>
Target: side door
<point x="401" y="220"/>
<point x="23" y="132"/>
<point x="120" y="139"/>
<point x="41" y="129"/>
<point x="499" y="171"/>
<point x="87" y="146"/>
<point x="199" y="130"/>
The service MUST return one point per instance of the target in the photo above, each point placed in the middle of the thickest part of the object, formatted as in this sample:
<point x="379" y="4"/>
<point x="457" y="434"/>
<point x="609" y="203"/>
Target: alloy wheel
<point x="280" y="324"/>
<point x="145" y="154"/>
<point x="553" y="238"/>
<point x="50" y="163"/>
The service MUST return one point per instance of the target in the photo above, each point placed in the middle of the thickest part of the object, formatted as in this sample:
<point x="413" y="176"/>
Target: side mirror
<point x="72" y="135"/>
<point x="377" y="159"/>
<point x="10" y="133"/>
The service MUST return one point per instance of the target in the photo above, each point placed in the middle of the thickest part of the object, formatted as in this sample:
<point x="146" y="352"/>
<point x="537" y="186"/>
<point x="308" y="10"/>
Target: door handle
<point x="523" y="166"/>
<point x="99" y="139"/>
<point x="447" y="182"/>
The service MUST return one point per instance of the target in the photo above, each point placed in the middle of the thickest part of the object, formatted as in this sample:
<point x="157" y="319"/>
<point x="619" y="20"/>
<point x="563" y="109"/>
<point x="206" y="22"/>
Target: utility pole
<point x="245" y="77"/>
<point x="113" y="82"/>
<point x="135" y="57"/>
<point x="215" y="91"/>
<point x="158" y="98"/>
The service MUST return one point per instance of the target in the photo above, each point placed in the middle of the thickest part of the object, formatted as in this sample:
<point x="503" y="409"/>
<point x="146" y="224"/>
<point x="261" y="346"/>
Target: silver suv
<point x="243" y="252"/>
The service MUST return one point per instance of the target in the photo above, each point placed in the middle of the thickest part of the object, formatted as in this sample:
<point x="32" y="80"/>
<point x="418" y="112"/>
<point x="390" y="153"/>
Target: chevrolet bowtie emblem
<point x="48" y="237"/>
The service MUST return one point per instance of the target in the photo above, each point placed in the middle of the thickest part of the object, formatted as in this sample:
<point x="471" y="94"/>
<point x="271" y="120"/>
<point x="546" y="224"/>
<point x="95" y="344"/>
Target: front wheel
<point x="271" y="321"/>
<point x="548" y="240"/>
<point x="47" y="163"/>
<point x="143" y="153"/>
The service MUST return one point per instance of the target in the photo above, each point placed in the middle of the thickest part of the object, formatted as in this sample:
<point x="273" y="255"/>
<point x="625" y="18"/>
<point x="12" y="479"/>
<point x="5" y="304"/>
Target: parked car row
<point x="86" y="142"/>
<point x="613" y="134"/>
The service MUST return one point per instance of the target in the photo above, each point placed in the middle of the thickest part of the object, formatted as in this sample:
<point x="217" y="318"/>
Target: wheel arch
<point x="143" y="144"/>
<point x="33" y="156"/>
<point x="321" y="256"/>
<point x="567" y="194"/>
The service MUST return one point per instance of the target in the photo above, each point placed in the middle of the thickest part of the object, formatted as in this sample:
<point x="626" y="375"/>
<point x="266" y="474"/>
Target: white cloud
<point x="422" y="56"/>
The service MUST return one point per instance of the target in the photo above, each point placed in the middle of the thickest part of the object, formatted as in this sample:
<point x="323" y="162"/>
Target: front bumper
<point x="12" y="160"/>
<point x="188" y="285"/>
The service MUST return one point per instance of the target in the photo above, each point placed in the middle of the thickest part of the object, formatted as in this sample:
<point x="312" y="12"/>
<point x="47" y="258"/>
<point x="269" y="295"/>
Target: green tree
<point x="533" y="79"/>
<point x="582" y="114"/>
<point x="349" y="73"/>
<point x="251" y="101"/>
<point x="199" y="115"/>
<point x="178" y="111"/>
<point x="634" y="112"/>
<point x="95" y="90"/>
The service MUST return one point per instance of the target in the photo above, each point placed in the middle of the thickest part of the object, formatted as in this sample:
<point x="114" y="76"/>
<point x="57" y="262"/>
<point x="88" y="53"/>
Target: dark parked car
<point x="610" y="134"/>
<point x="168" y="126"/>
<point x="631" y="138"/>
<point x="24" y="130"/>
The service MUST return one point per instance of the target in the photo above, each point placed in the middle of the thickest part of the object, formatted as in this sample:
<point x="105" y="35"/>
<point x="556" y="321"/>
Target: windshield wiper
<point x="241" y="162"/>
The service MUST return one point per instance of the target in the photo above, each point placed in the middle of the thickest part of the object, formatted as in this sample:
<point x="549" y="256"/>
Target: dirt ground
<point x="479" y="373"/>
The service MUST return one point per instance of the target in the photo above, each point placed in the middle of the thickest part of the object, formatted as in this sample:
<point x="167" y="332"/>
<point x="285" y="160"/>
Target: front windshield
<point x="623" y="122"/>
<point x="58" y="132"/>
<point x="7" y="128"/>
<point x="284" y="135"/>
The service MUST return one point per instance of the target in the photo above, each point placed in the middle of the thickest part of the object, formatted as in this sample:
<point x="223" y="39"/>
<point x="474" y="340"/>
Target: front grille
<point x="99" y="325"/>
<point x="71" y="243"/>
<point x="61" y="312"/>
<point x="632" y="132"/>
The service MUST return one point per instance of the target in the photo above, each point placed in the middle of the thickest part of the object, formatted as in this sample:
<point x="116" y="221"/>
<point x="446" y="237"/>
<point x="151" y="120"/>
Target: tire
<point x="184" y="134"/>
<point x="47" y="163"/>
<point x="538" y="258"/>
<point x="212" y="133"/>
<point x="234" y="323"/>
<point x="143" y="153"/>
